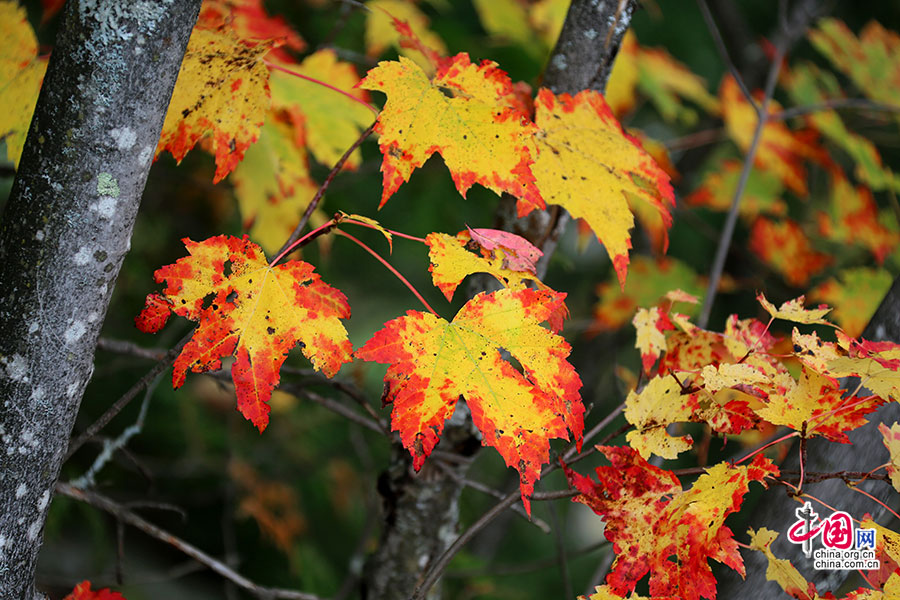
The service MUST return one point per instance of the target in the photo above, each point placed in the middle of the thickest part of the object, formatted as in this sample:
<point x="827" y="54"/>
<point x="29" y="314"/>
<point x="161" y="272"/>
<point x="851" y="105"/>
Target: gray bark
<point x="775" y="510"/>
<point x="65" y="230"/>
<point x="421" y="510"/>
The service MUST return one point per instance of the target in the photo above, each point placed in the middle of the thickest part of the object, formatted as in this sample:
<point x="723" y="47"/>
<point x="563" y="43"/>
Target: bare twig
<point x="111" y="446"/>
<point x="725" y="241"/>
<point x="834" y="104"/>
<point x="561" y="558"/>
<point x="485" y="489"/>
<point x="167" y="361"/>
<point x="295" y="235"/>
<point x="337" y="407"/>
<point x="723" y="53"/>
<point x="522" y="568"/>
<point x="130" y="348"/>
<point x="126" y="516"/>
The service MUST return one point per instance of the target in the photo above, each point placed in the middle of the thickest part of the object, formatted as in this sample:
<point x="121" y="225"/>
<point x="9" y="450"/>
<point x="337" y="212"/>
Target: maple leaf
<point x="780" y="150"/>
<point x="809" y="400"/>
<point x="382" y="31"/>
<point x="433" y="362"/>
<point x="507" y="21"/>
<point x="588" y="165"/>
<point x="651" y="338"/>
<point x="762" y="193"/>
<point x="794" y="584"/>
<point x="222" y="91"/>
<point x="256" y="312"/>
<point x="651" y="410"/>
<point x="249" y="20"/>
<point x="83" y="591"/>
<point x="891" y="438"/>
<point x="547" y="18"/>
<point x="809" y="85"/>
<point x="21" y="74"/>
<point x="853" y="218"/>
<point x="332" y="122"/>
<point x="650" y="280"/>
<point x="451" y="262"/>
<point x="855" y="295"/>
<point x="273" y="185"/>
<point x="467" y="114"/>
<point x="657" y="527"/>
<point x="272" y="504"/>
<point x="784" y="247"/>
<point x="793" y="310"/>
<point x="658" y="76"/>
<point x="870" y="60"/>
<point x="814" y="352"/>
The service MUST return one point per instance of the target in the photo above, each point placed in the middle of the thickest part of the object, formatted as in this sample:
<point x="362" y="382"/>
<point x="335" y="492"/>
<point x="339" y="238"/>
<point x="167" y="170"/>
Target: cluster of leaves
<point x="244" y="97"/>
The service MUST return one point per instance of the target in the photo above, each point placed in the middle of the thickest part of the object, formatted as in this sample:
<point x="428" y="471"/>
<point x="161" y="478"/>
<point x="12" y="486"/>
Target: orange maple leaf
<point x="467" y="114"/>
<point x="785" y="248"/>
<point x="83" y="591"/>
<point x="256" y="312"/>
<point x="433" y="362"/>
<point x="222" y="91"/>
<point x="250" y="21"/>
<point x="651" y="520"/>
<point x="780" y="151"/>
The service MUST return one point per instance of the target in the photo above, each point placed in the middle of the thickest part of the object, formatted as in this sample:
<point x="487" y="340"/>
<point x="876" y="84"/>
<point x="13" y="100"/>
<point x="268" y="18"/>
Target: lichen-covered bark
<point x="775" y="510"/>
<point x="64" y="233"/>
<point x="422" y="516"/>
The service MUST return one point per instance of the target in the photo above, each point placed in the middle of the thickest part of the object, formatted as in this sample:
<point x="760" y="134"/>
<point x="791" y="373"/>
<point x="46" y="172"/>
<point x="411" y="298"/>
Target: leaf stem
<point x="388" y="266"/>
<point x="278" y="67"/>
<point x="321" y="192"/>
<point x="320" y="230"/>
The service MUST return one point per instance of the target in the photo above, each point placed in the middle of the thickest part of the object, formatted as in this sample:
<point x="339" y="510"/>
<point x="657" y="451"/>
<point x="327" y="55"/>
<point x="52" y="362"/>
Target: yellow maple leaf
<point x="381" y="33"/>
<point x="222" y="91"/>
<point x="433" y="362"/>
<point x="651" y="411"/>
<point x="547" y="18"/>
<point x="451" y="262"/>
<point x="331" y="120"/>
<point x="507" y="21"/>
<point x="780" y="570"/>
<point x="588" y="165"/>
<point x="21" y="74"/>
<point x="808" y="400"/>
<point x="272" y="184"/>
<point x="793" y="310"/>
<point x="650" y="340"/>
<point x="466" y="114"/>
<point x="855" y="295"/>
<point x="814" y="352"/>
<point x="891" y="437"/>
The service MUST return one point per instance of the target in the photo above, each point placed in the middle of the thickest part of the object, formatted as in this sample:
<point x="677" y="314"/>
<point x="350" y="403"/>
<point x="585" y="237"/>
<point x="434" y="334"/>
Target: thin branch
<point x="723" y="53"/>
<point x="485" y="489"/>
<point x="561" y="558"/>
<point x="522" y="568"/>
<point x="295" y="235"/>
<point x="834" y="104"/>
<point x="336" y="407"/>
<point x="167" y="361"/>
<point x="110" y="447"/>
<point x="725" y="241"/>
<point x="126" y="516"/>
<point x="125" y="347"/>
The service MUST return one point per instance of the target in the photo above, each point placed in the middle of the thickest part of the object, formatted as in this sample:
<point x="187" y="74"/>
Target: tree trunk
<point x="64" y="233"/>
<point x="422" y="513"/>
